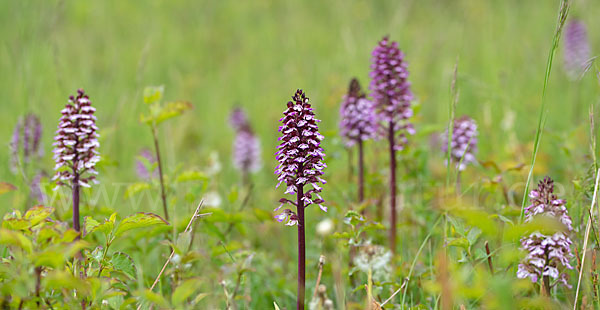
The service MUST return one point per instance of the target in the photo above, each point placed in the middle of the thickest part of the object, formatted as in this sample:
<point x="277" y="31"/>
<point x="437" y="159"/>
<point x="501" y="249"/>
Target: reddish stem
<point x="361" y="173"/>
<point x="392" y="187"/>
<point x="76" y="225"/>
<point x="301" y="249"/>
<point x="163" y="194"/>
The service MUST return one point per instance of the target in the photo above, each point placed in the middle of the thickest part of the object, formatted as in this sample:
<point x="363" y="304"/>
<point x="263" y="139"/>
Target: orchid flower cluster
<point x="25" y="143"/>
<point x="577" y="49"/>
<point x="547" y="255"/>
<point x="246" y="146"/>
<point x="300" y="156"/>
<point x="463" y="145"/>
<point x="391" y="92"/>
<point x="357" y="116"/>
<point x="75" y="149"/>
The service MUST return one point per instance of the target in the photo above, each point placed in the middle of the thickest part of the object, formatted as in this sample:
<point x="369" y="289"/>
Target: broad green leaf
<point x="138" y="220"/>
<point x="16" y="224"/>
<point x="187" y="176"/>
<point x="155" y="298"/>
<point x="122" y="262"/>
<point x="136" y="188"/>
<point x="38" y="214"/>
<point x="69" y="235"/>
<point x="184" y="291"/>
<point x="153" y="94"/>
<point x="183" y="241"/>
<point x="90" y="225"/>
<point x="459" y="242"/>
<point x="14" y="238"/>
<point x="50" y="258"/>
<point x="6" y="187"/>
<point x="60" y="280"/>
<point x="172" y="109"/>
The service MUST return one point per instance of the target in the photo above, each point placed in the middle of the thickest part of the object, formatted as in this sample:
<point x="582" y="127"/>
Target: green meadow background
<point x="218" y="54"/>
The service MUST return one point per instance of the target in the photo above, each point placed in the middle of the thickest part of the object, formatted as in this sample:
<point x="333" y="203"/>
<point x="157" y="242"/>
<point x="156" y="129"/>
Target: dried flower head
<point x="390" y="90"/>
<point x="546" y="255"/>
<point x="464" y="142"/>
<point x="357" y="116"/>
<point x="25" y="144"/>
<point x="577" y="49"/>
<point x="75" y="149"/>
<point x="300" y="155"/>
<point x="376" y="259"/>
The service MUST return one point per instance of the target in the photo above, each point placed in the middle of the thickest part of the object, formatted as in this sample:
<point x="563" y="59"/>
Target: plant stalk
<point x="361" y="173"/>
<point x="301" y="249"/>
<point x="392" y="187"/>
<point x="163" y="194"/>
<point x="76" y="225"/>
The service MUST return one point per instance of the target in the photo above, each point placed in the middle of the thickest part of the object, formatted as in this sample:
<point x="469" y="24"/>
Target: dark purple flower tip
<point x="75" y="149"/>
<point x="390" y="90"/>
<point x="463" y="144"/>
<point x="300" y="155"/>
<point x="238" y="119"/>
<point x="547" y="255"/>
<point x="357" y="116"/>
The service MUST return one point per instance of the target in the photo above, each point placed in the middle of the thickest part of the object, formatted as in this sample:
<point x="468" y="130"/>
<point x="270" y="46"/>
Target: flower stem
<point x="392" y="187"/>
<point x="361" y="173"/>
<point x="301" y="249"/>
<point x="76" y="225"/>
<point x="163" y="195"/>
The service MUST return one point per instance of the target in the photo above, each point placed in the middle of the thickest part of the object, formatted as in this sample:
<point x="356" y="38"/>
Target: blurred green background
<point x="257" y="53"/>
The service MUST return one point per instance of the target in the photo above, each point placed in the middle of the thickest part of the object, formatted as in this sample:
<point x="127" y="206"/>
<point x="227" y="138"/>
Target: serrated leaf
<point x="184" y="291"/>
<point x="122" y="262"/>
<point x="139" y="220"/>
<point x="136" y="188"/>
<point x="6" y="187"/>
<point x="16" y="224"/>
<point x="153" y="94"/>
<point x="90" y="225"/>
<point x="187" y="176"/>
<point x="38" y="214"/>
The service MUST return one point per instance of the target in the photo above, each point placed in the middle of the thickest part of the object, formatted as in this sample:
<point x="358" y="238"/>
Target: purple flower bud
<point x="140" y="166"/>
<point x="390" y="90"/>
<point x="238" y="119"/>
<point x="300" y="154"/>
<point x="464" y="142"/>
<point x="75" y="149"/>
<point x="357" y="116"/>
<point x="546" y="255"/>
<point x="577" y="49"/>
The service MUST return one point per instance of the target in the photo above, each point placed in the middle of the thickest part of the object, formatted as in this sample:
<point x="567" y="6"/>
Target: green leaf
<point x="136" y="188"/>
<point x="122" y="262"/>
<point x="153" y="94"/>
<point x="459" y="242"/>
<point x="187" y="176"/>
<point x="14" y="238"/>
<point x="16" y="224"/>
<point x="90" y="225"/>
<point x="172" y="109"/>
<point x="184" y="291"/>
<point x="6" y="187"/>
<point x="155" y="298"/>
<point x="139" y="220"/>
<point x="38" y="214"/>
